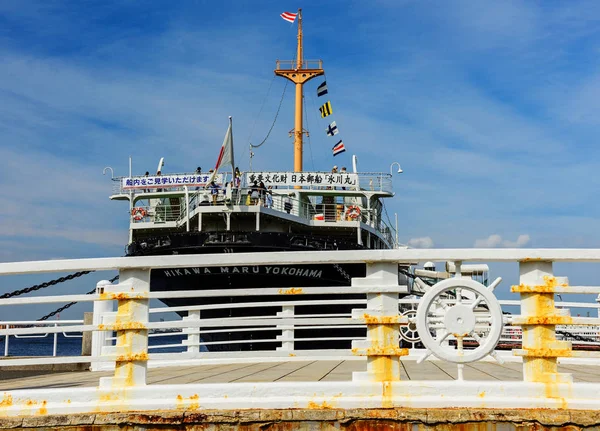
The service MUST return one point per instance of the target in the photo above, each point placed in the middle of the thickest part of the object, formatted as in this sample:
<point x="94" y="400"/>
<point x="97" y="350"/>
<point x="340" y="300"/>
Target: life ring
<point x="138" y="213"/>
<point x="353" y="212"/>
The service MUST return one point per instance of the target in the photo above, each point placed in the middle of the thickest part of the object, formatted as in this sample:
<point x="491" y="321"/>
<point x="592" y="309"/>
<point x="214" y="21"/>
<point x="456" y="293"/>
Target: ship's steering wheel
<point x="444" y="313"/>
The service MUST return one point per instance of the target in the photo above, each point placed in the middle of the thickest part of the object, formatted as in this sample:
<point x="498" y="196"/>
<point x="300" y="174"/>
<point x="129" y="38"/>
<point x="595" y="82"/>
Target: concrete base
<point x="316" y="419"/>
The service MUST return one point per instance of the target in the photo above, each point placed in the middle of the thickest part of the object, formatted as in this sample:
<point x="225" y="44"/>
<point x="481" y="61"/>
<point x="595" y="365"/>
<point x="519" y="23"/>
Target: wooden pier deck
<point x="288" y="371"/>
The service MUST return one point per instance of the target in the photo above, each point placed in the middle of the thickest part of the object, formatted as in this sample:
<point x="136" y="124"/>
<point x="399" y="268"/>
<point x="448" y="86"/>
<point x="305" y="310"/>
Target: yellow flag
<point x="326" y="109"/>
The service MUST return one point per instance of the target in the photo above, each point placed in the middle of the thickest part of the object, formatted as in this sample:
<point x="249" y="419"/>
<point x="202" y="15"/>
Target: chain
<point x="70" y="304"/>
<point x="339" y="269"/>
<point x="43" y="285"/>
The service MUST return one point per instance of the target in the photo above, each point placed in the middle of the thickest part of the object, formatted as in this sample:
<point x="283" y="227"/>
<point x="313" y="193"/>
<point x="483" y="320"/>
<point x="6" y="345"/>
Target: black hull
<point x="256" y="277"/>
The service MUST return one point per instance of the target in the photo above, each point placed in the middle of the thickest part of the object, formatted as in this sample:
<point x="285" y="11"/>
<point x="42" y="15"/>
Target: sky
<point x="491" y="108"/>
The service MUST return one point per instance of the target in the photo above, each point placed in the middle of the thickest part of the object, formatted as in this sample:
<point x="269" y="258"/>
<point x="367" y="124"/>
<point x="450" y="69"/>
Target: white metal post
<point x="187" y="209"/>
<point x="55" y="342"/>
<point x="539" y="345"/>
<point x="287" y="331"/>
<point x="382" y="319"/>
<point x="6" y="343"/>
<point x="100" y="309"/>
<point x="193" y="334"/>
<point x="131" y="324"/>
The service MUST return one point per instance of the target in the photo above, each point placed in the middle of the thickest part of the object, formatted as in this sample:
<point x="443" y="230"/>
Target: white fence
<point x="458" y="320"/>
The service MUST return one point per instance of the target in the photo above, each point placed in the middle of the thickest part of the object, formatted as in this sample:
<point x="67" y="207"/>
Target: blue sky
<point x="490" y="107"/>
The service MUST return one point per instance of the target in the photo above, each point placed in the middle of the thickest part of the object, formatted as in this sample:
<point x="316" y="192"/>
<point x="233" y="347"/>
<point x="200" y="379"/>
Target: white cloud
<point x="422" y="242"/>
<point x="496" y="241"/>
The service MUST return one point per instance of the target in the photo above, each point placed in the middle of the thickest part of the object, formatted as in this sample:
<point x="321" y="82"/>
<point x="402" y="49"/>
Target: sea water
<point x="71" y="346"/>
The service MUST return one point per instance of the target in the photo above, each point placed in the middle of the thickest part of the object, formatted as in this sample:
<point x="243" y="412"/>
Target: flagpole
<point x="232" y="155"/>
<point x="292" y="72"/>
<point x="298" y="120"/>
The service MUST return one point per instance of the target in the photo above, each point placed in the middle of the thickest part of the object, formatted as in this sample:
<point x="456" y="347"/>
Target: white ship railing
<point x="443" y="313"/>
<point x="344" y="209"/>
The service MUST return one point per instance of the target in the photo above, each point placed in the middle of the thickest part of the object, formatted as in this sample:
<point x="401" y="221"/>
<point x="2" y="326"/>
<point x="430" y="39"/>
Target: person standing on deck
<point x="269" y="197"/>
<point x="262" y="191"/>
<point x="255" y="193"/>
<point x="237" y="183"/>
<point x="158" y="174"/>
<point x="287" y="204"/>
<point x="198" y="172"/>
<point x="214" y="191"/>
<point x="146" y="175"/>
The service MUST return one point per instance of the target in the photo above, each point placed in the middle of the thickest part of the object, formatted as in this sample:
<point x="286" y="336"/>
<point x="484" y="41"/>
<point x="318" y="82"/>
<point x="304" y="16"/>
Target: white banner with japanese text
<point x="168" y="181"/>
<point x="303" y="179"/>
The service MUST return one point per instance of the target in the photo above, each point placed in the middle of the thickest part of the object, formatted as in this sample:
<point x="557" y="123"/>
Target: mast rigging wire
<point x="275" y="119"/>
<point x="312" y="161"/>
<point x="261" y="109"/>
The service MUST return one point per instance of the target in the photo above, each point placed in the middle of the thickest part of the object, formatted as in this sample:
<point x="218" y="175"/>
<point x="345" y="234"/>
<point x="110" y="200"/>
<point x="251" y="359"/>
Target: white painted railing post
<point x="55" y="342"/>
<point x="382" y="346"/>
<point x="131" y="324"/>
<point x="99" y="338"/>
<point x="7" y="336"/>
<point x="287" y="331"/>
<point x="193" y="334"/>
<point x="538" y="319"/>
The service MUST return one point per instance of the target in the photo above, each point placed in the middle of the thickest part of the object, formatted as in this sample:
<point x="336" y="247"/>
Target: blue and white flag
<point x="338" y="148"/>
<point x="332" y="129"/>
<point x="322" y="89"/>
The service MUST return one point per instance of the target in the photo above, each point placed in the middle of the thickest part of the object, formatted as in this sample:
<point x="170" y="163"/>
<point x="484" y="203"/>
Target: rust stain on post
<point x="122" y="326"/>
<point x="548" y="353"/>
<point x="122" y="296"/>
<point x="191" y="403"/>
<point x="43" y="409"/>
<point x="531" y="259"/>
<point x="291" y="291"/>
<point x="7" y="400"/>
<point x="546" y="320"/>
<point x="549" y="286"/>
<point x="381" y="320"/>
<point x="133" y="357"/>
<point x="321" y="406"/>
<point x="381" y="351"/>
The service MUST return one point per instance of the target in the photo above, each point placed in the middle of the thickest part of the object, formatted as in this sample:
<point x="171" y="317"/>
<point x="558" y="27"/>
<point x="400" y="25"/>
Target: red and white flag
<point x="226" y="154"/>
<point x="289" y="17"/>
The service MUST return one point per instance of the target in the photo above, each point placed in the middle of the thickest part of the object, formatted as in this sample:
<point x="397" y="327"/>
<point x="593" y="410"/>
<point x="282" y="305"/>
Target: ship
<point x="233" y="212"/>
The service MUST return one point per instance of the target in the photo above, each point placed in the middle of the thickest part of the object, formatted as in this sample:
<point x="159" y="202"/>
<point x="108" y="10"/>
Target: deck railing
<point x="293" y="64"/>
<point x="342" y="209"/>
<point x="367" y="181"/>
<point x="458" y="320"/>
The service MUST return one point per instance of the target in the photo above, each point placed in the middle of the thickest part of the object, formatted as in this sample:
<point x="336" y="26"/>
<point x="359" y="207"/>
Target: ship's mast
<point x="299" y="71"/>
